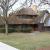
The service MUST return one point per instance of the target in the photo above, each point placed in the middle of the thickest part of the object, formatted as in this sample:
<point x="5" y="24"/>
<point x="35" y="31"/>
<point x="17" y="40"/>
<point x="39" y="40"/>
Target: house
<point x="41" y="21"/>
<point x="26" y="20"/>
<point x="47" y="23"/>
<point x="23" y="19"/>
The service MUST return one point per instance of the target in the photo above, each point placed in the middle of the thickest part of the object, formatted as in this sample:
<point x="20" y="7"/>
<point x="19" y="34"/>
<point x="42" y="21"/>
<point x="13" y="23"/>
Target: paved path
<point x="6" y="47"/>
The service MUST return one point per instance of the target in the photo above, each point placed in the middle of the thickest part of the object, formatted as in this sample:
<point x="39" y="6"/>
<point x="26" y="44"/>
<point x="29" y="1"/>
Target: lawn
<point x="27" y="41"/>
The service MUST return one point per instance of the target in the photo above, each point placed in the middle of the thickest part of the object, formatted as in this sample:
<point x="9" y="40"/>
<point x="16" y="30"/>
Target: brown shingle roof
<point x="25" y="11"/>
<point x="15" y="20"/>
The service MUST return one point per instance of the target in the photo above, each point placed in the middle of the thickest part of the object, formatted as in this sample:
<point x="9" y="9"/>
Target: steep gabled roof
<point x="25" y="11"/>
<point x="15" y="20"/>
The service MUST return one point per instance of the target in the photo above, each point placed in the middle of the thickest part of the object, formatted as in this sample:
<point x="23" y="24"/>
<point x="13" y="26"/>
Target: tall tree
<point x="6" y="5"/>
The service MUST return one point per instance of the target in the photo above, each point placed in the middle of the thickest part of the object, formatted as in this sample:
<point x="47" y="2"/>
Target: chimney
<point x="34" y="7"/>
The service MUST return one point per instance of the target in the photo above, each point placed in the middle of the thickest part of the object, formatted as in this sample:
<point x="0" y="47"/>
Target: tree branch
<point x="13" y="3"/>
<point x="44" y="2"/>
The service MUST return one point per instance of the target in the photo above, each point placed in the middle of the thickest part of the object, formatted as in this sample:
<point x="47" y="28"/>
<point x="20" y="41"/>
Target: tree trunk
<point x="6" y="22"/>
<point x="6" y="28"/>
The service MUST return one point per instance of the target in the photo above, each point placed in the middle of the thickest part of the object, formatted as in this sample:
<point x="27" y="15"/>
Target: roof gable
<point x="25" y="11"/>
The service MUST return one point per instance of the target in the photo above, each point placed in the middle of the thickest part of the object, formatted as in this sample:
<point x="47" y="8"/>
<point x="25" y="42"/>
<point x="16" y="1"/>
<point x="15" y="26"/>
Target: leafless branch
<point x="13" y="3"/>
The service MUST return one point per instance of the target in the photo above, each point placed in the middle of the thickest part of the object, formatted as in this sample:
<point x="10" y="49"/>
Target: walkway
<point x="6" y="47"/>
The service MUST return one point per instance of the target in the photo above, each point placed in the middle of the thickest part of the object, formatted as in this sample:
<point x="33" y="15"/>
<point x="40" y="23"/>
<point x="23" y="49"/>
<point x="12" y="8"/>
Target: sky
<point x="18" y="5"/>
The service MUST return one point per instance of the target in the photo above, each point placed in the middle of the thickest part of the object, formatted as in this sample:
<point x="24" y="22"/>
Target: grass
<point x="27" y="41"/>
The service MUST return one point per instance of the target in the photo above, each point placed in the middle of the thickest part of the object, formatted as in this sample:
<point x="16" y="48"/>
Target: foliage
<point x="15" y="29"/>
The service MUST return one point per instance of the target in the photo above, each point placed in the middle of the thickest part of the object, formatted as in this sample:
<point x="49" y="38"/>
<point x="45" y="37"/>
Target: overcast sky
<point x="18" y="4"/>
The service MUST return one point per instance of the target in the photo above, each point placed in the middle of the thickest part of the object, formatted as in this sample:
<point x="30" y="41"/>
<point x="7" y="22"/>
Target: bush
<point x="15" y="29"/>
<point x="24" y="30"/>
<point x="11" y="30"/>
<point x="2" y="30"/>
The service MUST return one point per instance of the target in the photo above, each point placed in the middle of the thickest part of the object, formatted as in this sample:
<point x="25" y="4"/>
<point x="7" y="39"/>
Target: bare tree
<point x="44" y="2"/>
<point x="6" y="5"/>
